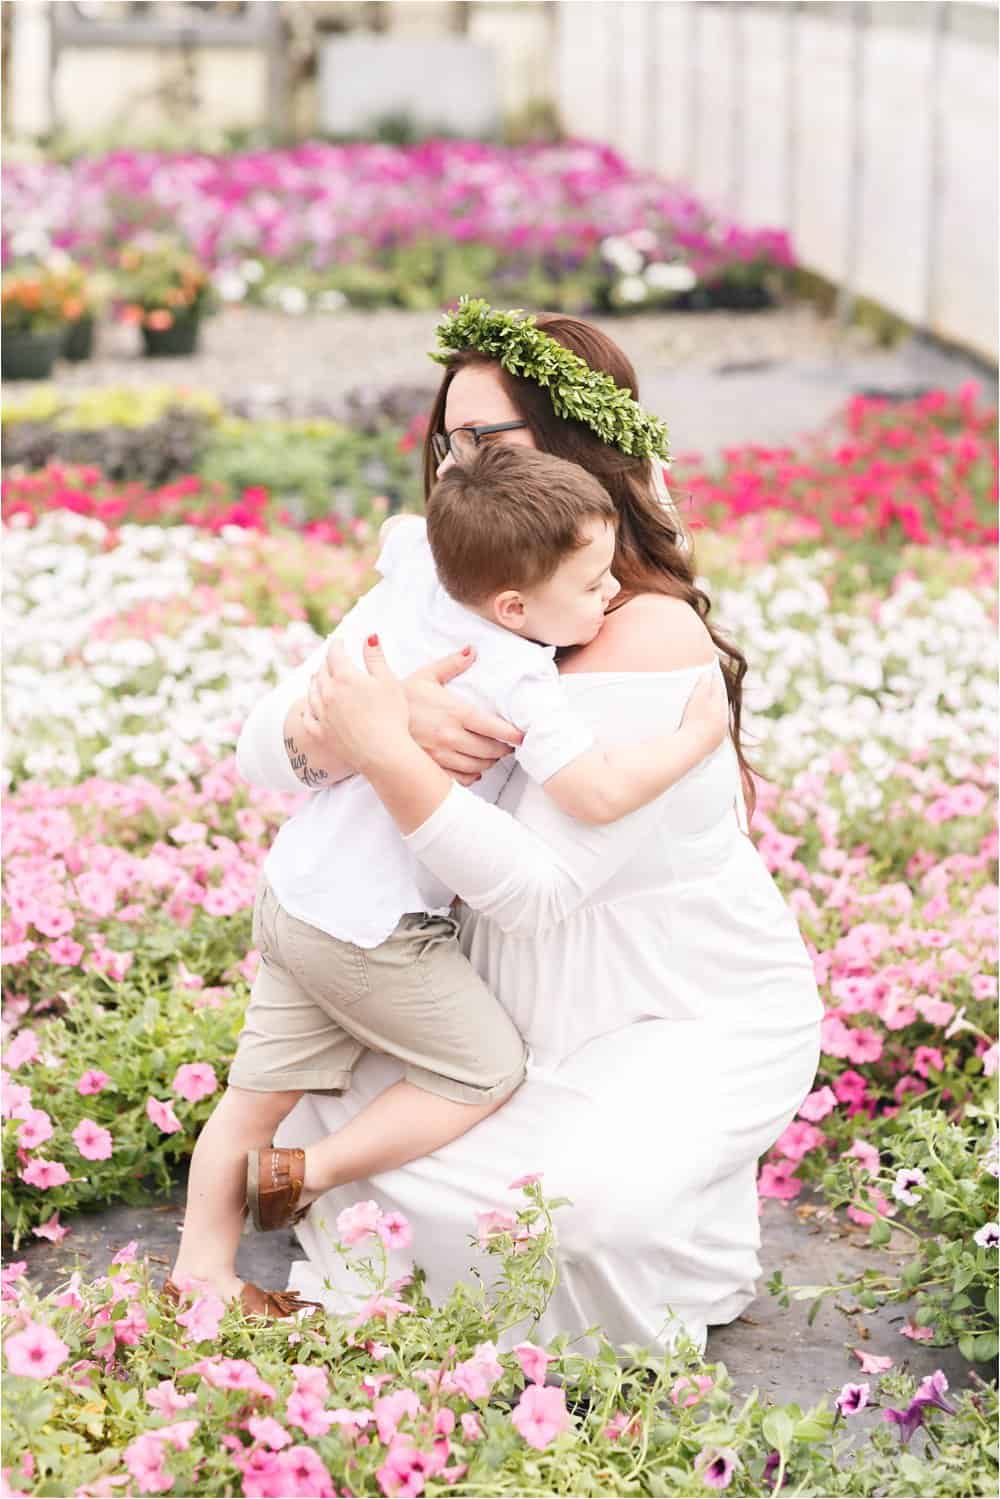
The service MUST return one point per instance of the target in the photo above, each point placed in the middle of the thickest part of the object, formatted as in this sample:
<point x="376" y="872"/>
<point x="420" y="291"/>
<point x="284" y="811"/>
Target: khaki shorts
<point x="318" y="1004"/>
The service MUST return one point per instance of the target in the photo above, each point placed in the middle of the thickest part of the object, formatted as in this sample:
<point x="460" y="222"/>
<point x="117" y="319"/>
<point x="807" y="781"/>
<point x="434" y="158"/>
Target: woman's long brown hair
<point x="650" y="556"/>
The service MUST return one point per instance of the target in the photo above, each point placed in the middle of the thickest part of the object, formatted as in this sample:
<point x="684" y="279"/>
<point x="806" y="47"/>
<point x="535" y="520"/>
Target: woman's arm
<point x="496" y="864"/>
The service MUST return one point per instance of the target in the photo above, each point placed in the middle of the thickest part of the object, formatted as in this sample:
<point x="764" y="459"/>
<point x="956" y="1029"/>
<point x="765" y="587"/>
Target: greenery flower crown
<point x="577" y="392"/>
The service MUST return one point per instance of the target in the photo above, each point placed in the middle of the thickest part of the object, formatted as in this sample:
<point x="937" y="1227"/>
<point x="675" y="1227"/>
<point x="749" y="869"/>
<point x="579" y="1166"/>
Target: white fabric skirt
<point x="653" y="1131"/>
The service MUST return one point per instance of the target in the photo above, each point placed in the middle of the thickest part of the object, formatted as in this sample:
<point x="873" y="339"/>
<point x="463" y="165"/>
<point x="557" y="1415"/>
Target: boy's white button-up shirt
<point x="340" y="863"/>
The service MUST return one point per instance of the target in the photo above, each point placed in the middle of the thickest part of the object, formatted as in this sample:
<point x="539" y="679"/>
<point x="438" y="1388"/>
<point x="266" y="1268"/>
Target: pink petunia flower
<point x="873" y="1363"/>
<point x="167" y="1400"/>
<point x="817" y="1106"/>
<point x="917" y="1334"/>
<point x="163" y="1116"/>
<point x="534" y="1361"/>
<point x="395" y="1232"/>
<point x="267" y="1430"/>
<point x="540" y="1415"/>
<point x="304" y="1410"/>
<point x="389" y="1410"/>
<point x="92" y="1081"/>
<point x="867" y="1155"/>
<point x="52" y="1230"/>
<point x="195" y="1081"/>
<point x="472" y="1431"/>
<point x="475" y="1376"/>
<point x="126" y="1255"/>
<point x="358" y="1222"/>
<point x="778" y="1180"/>
<point x="524" y="1181"/>
<point x="853" y="1398"/>
<point x="45" y="1174"/>
<point x="35" y="1129"/>
<point x="689" y="1389"/>
<point x="22" y="1051"/>
<point x="305" y="1474"/>
<point x="716" y="1466"/>
<point x="492" y="1223"/>
<point x="36" y="1352"/>
<point x="202" y="1318"/>
<point x="93" y="1142"/>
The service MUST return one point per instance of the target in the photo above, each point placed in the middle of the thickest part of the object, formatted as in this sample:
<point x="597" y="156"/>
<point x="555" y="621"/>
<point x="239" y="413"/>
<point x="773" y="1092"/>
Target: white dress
<point x="673" y="1021"/>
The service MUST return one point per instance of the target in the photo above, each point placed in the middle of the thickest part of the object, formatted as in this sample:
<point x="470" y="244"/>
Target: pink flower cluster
<point x="910" y="987"/>
<point x="323" y="205"/>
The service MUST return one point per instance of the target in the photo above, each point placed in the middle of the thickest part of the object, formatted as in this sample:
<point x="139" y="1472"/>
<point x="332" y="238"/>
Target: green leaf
<point x="778" y="1428"/>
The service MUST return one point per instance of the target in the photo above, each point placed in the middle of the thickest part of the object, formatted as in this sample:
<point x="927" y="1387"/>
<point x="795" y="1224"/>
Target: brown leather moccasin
<point x="274" y="1185"/>
<point x="255" y="1301"/>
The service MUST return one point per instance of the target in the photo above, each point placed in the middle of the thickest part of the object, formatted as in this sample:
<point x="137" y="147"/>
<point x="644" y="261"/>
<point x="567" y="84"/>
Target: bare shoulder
<point x="652" y="632"/>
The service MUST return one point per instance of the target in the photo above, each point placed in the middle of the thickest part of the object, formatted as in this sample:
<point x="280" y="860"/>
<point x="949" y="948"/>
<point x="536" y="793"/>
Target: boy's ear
<point x="508" y="609"/>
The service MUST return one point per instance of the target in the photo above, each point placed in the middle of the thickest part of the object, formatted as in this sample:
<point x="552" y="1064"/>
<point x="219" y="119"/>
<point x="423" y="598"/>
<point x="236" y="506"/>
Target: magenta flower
<point x="716" y="1466"/>
<point x="917" y="1334"/>
<point x="534" y="1361"/>
<point x="92" y="1081"/>
<point x="195" y="1081"/>
<point x="93" y="1142"/>
<point x="36" y="1352"/>
<point x="163" y="1116"/>
<point x="689" y="1389"/>
<point x="853" y="1398"/>
<point x="540" y="1415"/>
<point x="45" y="1174"/>
<point x="778" y="1179"/>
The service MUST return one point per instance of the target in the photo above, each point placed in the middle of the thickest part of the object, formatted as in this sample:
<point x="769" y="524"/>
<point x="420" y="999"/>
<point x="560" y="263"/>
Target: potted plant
<point x="165" y="290"/>
<point x="81" y="303"/>
<point x="38" y="307"/>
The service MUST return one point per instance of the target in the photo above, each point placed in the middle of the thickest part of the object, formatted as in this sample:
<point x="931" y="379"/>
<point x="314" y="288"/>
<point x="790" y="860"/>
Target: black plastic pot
<point x="180" y="338"/>
<point x="29" y="356"/>
<point x="79" y="341"/>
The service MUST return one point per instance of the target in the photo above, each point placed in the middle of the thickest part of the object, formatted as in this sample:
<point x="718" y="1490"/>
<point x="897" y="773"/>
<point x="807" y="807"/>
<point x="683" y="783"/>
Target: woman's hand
<point x="361" y="717"/>
<point x="463" y="739"/>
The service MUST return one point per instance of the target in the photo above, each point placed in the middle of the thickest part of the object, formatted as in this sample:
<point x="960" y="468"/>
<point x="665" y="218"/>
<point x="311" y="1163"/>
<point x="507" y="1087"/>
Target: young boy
<point x="358" y="946"/>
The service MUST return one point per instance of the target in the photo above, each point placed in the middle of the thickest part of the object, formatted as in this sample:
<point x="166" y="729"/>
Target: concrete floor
<point x="768" y="1347"/>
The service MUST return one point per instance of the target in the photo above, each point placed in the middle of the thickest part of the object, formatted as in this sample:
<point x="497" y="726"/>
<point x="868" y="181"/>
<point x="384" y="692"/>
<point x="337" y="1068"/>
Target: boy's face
<point x="568" y="608"/>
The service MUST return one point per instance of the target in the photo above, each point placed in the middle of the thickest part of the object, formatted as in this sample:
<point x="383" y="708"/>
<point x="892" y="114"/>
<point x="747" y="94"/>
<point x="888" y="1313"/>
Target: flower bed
<point x="133" y="653"/>
<point x="320" y="224"/>
<point x="109" y="1389"/>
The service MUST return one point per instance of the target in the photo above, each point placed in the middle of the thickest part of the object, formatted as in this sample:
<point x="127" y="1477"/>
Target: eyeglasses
<point x="463" y="441"/>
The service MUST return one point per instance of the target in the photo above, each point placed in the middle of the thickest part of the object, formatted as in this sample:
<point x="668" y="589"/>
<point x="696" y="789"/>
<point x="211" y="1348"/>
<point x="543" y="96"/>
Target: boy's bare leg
<point x="216" y="1195"/>
<point x="402" y="1124"/>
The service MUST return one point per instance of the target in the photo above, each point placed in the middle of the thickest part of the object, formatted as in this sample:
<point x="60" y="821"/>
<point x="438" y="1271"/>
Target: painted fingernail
<point x="373" y="640"/>
<point x="467" y="650"/>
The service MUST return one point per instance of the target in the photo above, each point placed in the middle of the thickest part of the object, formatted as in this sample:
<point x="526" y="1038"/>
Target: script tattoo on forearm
<point x="299" y="761"/>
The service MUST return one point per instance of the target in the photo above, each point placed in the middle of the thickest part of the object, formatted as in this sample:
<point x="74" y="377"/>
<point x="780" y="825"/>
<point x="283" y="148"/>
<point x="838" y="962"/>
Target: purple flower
<point x="716" y="1465"/>
<point x="988" y="1237"/>
<point x="907" y="1421"/>
<point x="907" y="1180"/>
<point x="932" y="1390"/>
<point x="771" y="1467"/>
<point x="853" y="1398"/>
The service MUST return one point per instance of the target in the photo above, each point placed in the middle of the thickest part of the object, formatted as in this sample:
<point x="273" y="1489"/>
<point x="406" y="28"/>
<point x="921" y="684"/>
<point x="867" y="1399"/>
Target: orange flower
<point x="72" y="308"/>
<point x="131" y="313"/>
<point x="160" y="319"/>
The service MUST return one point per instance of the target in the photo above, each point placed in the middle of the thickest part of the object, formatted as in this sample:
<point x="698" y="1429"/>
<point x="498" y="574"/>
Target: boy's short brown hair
<point x="508" y="519"/>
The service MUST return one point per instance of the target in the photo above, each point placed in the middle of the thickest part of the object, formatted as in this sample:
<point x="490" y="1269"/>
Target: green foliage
<point x="578" y="393"/>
